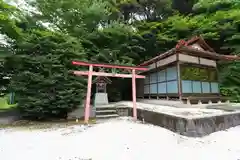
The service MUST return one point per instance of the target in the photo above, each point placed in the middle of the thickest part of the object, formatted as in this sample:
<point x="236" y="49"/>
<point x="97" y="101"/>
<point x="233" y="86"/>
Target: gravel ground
<point x="116" y="139"/>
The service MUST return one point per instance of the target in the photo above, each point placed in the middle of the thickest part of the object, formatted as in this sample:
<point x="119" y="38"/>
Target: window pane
<point x="194" y="73"/>
<point x="214" y="87"/>
<point x="153" y="88"/>
<point x="197" y="87"/>
<point x="206" y="87"/>
<point x="186" y="86"/>
<point x="172" y="87"/>
<point x="162" y="88"/>
<point x="189" y="73"/>
<point x="153" y="78"/>
<point x="162" y="76"/>
<point x="172" y="73"/>
<point x="203" y="74"/>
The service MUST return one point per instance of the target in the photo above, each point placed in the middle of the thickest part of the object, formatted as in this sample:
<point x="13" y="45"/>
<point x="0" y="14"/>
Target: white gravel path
<point x="118" y="139"/>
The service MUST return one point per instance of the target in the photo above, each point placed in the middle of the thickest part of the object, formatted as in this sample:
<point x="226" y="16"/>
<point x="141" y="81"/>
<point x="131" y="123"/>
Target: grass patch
<point x="4" y="104"/>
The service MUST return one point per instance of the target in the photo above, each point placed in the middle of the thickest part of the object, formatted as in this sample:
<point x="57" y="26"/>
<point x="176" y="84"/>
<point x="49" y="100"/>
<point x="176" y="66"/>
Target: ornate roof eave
<point x="205" y="54"/>
<point x="208" y="54"/>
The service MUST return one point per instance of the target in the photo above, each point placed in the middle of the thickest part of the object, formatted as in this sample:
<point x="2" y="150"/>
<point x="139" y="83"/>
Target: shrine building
<point x="188" y="71"/>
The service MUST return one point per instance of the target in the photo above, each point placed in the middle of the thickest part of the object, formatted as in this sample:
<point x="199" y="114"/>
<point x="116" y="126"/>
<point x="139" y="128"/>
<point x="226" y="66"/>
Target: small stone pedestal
<point x="100" y="99"/>
<point x="101" y="96"/>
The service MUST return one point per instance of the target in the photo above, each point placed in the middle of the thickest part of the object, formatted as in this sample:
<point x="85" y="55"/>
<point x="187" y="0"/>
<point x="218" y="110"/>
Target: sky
<point x="21" y="4"/>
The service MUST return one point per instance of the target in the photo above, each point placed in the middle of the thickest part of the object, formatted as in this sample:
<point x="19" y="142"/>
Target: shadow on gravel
<point x="8" y="116"/>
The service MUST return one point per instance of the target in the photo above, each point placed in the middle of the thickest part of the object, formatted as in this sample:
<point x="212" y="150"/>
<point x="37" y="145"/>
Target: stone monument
<point x="101" y="96"/>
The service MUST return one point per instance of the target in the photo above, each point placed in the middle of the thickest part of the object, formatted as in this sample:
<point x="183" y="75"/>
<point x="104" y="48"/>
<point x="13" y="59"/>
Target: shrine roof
<point x="195" y="46"/>
<point x="105" y="79"/>
<point x="200" y="41"/>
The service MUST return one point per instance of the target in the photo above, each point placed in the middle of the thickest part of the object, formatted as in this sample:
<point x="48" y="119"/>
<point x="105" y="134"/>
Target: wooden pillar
<point x="157" y="81"/>
<point x="88" y="98"/>
<point x="134" y="94"/>
<point x="179" y="81"/>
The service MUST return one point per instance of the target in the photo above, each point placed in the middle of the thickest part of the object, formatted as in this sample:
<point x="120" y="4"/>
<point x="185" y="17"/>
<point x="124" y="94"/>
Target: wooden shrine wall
<point x="197" y="60"/>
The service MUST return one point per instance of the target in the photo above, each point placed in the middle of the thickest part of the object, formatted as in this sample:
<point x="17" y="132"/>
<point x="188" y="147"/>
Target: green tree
<point x="150" y="10"/>
<point x="41" y="79"/>
<point x="75" y="17"/>
<point x="104" y="39"/>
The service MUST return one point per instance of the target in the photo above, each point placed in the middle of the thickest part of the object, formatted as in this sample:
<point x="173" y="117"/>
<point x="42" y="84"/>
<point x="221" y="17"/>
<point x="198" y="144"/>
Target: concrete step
<point x="106" y="111"/>
<point x="105" y="108"/>
<point x="107" y="116"/>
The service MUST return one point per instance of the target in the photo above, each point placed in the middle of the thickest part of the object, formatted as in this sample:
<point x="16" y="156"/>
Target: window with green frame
<point x="198" y="74"/>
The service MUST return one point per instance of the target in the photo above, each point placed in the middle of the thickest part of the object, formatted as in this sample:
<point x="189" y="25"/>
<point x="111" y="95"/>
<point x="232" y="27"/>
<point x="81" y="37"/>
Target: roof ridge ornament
<point x="181" y="43"/>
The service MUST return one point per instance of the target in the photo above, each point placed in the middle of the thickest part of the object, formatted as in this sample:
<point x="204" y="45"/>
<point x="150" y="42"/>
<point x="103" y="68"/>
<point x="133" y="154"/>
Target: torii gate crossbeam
<point x="91" y="73"/>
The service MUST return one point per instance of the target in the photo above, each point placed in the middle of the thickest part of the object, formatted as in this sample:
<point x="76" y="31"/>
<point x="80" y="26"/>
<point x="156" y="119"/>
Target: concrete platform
<point x="187" y="120"/>
<point x="191" y="122"/>
<point x="180" y="104"/>
<point x="173" y="103"/>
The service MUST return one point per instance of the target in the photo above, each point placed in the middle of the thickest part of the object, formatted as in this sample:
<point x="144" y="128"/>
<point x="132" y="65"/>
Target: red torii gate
<point x="91" y="73"/>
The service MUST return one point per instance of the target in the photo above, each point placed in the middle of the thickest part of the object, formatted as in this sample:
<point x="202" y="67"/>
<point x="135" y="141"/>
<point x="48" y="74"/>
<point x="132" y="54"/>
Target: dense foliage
<point x="42" y="42"/>
<point x="41" y="77"/>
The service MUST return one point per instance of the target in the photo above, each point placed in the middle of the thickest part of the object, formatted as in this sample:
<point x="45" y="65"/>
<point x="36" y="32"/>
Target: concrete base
<point x="100" y="99"/>
<point x="79" y="113"/>
<point x="191" y="127"/>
